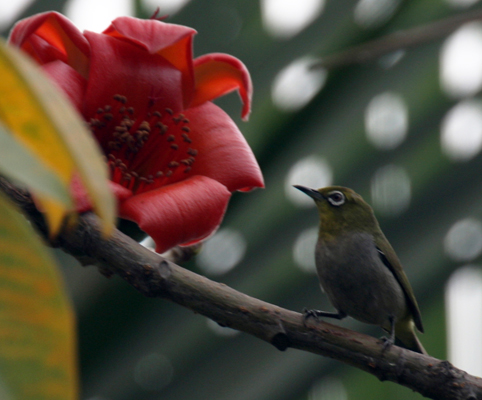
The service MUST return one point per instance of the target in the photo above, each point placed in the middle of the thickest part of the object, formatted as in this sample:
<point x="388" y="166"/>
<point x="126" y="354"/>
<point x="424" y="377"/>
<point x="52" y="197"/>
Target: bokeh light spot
<point x="461" y="131"/>
<point x="390" y="60"/>
<point x="296" y="84"/>
<point x="9" y="11"/>
<point x="461" y="61"/>
<point x="286" y="18"/>
<point x="386" y="120"/>
<point x="312" y="171"/>
<point x="170" y="7"/>
<point x="222" y="252"/>
<point x="153" y="372"/>
<point x="304" y="250"/>
<point x="148" y="243"/>
<point x="373" y="13"/>
<point x="222" y="331"/>
<point x="463" y="241"/>
<point x="463" y="301"/>
<point x="328" y="388"/>
<point x="95" y="15"/>
<point x="391" y="190"/>
<point x="461" y="3"/>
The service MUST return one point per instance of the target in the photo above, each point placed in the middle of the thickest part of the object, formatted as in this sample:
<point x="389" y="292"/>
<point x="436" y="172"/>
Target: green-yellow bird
<point x="358" y="268"/>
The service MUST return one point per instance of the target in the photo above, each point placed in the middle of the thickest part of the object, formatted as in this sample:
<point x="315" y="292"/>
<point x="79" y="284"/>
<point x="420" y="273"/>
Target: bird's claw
<point x="309" y="313"/>
<point x="387" y="343"/>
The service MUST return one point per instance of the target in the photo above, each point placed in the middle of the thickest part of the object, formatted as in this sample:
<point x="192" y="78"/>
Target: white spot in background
<point x="286" y="18"/>
<point x="386" y="120"/>
<point x="222" y="252"/>
<point x="390" y="60"/>
<point x="148" y="243"/>
<point x="373" y="13"/>
<point x="330" y="388"/>
<point x="95" y="15"/>
<point x="153" y="372"/>
<point x="463" y="302"/>
<point x="391" y="190"/>
<point x="463" y="241"/>
<point x="296" y="84"/>
<point x="461" y="131"/>
<point x="304" y="250"/>
<point x="222" y="331"/>
<point x="461" y="3"/>
<point x="169" y="7"/>
<point x="461" y="61"/>
<point x="311" y="171"/>
<point x="10" y="10"/>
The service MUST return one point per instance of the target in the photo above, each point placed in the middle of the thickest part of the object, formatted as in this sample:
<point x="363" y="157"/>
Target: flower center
<point x="146" y="151"/>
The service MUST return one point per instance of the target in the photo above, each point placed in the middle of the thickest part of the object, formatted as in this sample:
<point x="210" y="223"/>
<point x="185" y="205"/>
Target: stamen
<point x="140" y="155"/>
<point x="162" y="127"/>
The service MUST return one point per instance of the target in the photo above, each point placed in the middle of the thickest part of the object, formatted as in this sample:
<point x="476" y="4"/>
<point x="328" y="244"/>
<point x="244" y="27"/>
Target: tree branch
<point x="155" y="276"/>
<point x="398" y="40"/>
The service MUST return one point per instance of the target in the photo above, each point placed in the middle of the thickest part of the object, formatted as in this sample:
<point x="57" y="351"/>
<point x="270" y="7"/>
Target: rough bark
<point x="155" y="276"/>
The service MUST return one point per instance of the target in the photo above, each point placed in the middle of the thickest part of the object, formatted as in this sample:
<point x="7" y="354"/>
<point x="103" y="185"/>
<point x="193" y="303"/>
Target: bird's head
<point x="341" y="210"/>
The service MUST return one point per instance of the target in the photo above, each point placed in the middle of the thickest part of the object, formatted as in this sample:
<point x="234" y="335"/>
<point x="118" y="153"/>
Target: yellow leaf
<point x="23" y="167"/>
<point x="37" y="329"/>
<point x="43" y="119"/>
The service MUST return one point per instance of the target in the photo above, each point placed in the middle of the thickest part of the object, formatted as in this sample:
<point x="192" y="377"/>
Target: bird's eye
<point x="336" y="198"/>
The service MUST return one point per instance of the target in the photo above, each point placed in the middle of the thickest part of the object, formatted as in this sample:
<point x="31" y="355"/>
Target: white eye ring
<point x="336" y="198"/>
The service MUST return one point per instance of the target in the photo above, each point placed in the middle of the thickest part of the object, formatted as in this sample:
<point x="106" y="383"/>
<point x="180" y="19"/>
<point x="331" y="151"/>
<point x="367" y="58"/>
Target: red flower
<point x="174" y="156"/>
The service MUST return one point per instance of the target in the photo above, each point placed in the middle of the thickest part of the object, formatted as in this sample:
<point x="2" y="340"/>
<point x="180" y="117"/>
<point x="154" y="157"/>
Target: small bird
<point x="359" y="270"/>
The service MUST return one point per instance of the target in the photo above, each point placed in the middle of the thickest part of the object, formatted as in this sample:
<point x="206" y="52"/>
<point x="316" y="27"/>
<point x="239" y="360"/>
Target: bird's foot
<point x="387" y="343"/>
<point x="309" y="314"/>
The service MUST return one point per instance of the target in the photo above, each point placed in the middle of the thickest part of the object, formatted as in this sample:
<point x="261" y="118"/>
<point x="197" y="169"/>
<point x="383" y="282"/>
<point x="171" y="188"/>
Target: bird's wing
<point x="390" y="259"/>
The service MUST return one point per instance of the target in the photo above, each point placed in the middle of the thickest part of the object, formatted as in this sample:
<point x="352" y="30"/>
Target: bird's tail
<point x="405" y="334"/>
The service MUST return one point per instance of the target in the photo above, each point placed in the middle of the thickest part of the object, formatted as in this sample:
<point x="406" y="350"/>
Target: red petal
<point x="223" y="153"/>
<point x="68" y="80"/>
<point x="118" y="67"/>
<point x="218" y="74"/>
<point x="120" y="192"/>
<point x="49" y="36"/>
<point x="173" y="42"/>
<point x="178" y="213"/>
<point x="81" y="198"/>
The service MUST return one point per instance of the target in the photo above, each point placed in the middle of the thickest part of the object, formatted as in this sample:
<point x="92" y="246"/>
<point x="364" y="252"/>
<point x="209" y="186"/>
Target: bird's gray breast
<point x="356" y="280"/>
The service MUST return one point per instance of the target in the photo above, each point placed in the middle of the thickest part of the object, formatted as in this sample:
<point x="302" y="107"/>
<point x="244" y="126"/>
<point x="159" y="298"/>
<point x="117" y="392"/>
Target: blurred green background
<point x="404" y="130"/>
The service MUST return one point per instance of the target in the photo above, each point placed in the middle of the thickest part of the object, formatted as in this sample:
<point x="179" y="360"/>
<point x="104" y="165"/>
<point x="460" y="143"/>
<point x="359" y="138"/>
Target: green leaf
<point x="37" y="336"/>
<point x="19" y="164"/>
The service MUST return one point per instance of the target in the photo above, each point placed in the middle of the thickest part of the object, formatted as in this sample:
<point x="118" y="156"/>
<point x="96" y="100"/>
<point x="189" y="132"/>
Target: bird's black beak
<point x="314" y="194"/>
